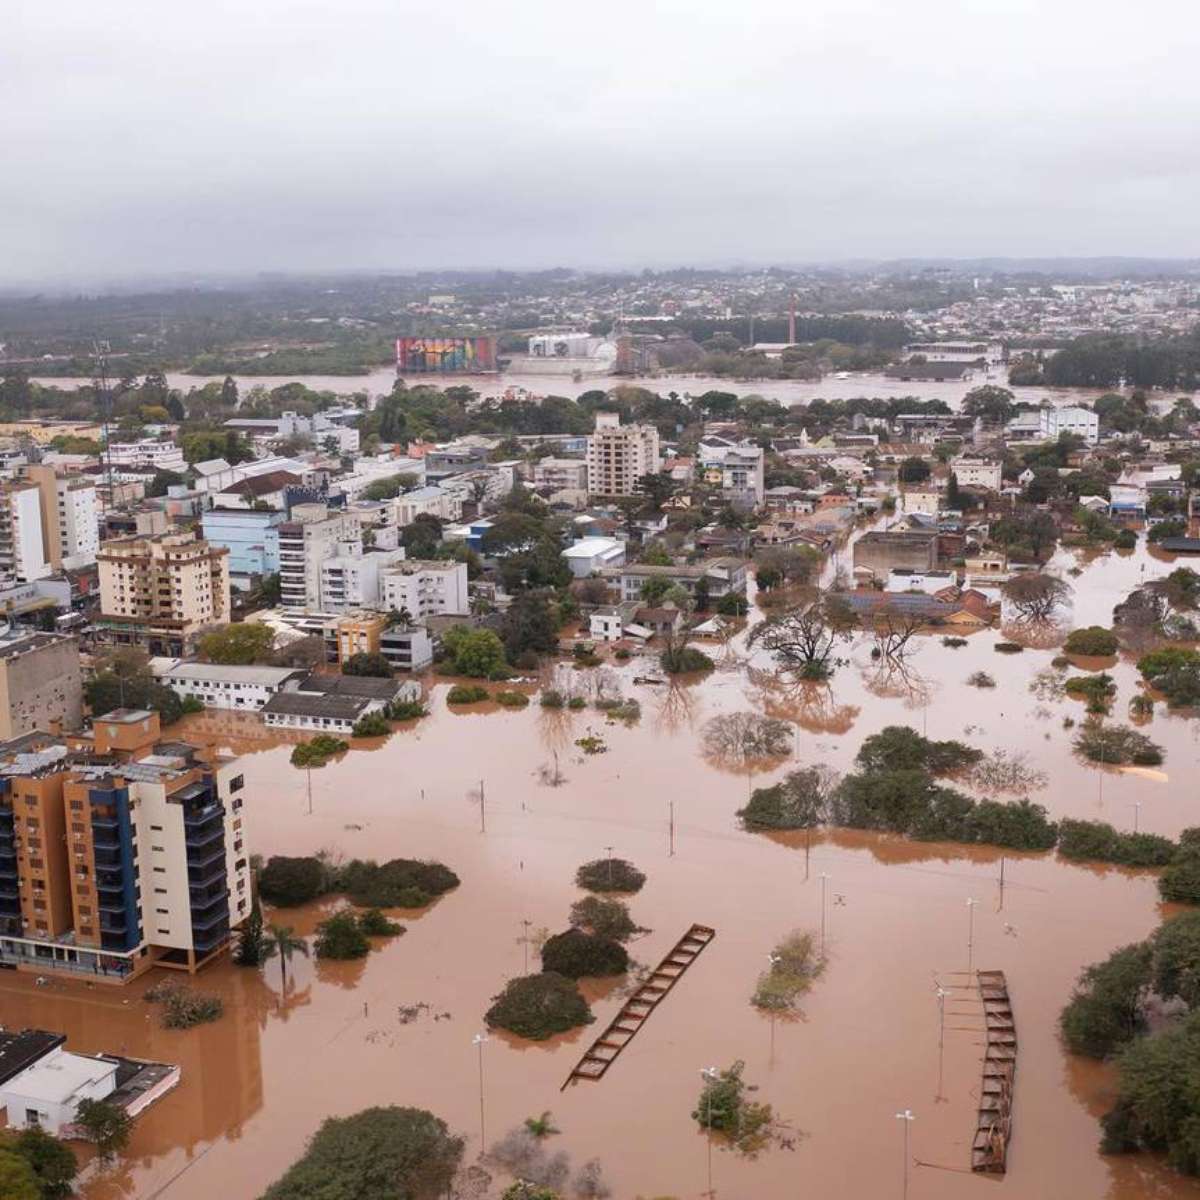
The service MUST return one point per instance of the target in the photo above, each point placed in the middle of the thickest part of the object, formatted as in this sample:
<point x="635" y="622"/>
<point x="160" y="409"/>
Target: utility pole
<point x="710" y="1075"/>
<point x="970" y="937"/>
<point x="478" y="1041"/>
<point x="100" y="353"/>
<point x="482" y="817"/>
<point x="907" y="1117"/>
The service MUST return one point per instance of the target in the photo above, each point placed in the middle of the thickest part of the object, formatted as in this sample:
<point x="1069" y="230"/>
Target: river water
<point x="258" y="1082"/>
<point x="379" y="382"/>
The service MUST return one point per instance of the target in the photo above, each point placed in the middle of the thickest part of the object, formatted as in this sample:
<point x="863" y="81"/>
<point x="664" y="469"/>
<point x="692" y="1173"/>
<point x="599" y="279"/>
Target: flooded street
<point x="258" y="1082"/>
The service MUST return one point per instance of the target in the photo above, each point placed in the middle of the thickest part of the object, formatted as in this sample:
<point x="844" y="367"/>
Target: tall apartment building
<point x="350" y="578"/>
<point x="119" y="852"/>
<point x="69" y="517"/>
<point x="22" y="552"/>
<point x="426" y="589"/>
<point x="619" y="455"/>
<point x="305" y="542"/>
<point x="40" y="684"/>
<point x="162" y="591"/>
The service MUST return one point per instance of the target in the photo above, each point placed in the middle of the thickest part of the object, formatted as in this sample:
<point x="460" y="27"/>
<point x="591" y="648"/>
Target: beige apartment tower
<point x="162" y="591"/>
<point x="619" y="455"/>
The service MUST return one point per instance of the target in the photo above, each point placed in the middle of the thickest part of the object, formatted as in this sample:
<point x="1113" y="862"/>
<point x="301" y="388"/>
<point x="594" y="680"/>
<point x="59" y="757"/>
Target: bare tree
<point x="810" y="704"/>
<point x="1035" y="595"/>
<point x="803" y="639"/>
<point x="745" y="738"/>
<point x="893" y="631"/>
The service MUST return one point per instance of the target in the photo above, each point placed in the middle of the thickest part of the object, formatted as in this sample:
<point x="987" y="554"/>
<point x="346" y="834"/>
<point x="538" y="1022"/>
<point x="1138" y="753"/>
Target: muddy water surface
<point x="259" y="1081"/>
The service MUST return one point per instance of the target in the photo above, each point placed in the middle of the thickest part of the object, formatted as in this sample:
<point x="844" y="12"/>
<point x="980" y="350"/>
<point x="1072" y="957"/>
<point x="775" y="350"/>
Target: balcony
<point x="212" y="870"/>
<point x="205" y="942"/>
<point x="198" y="816"/>
<point x="210" y="921"/>
<point x="216" y="896"/>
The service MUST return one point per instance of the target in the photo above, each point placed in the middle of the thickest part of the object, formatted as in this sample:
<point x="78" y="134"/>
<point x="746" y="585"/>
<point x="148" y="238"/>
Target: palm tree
<point x="282" y="940"/>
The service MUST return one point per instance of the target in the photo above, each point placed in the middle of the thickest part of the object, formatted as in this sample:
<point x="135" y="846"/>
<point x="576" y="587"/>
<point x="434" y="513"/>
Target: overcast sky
<point x="238" y="135"/>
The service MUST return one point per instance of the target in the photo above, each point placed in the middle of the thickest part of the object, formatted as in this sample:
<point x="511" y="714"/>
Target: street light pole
<point x="773" y="960"/>
<point x="907" y="1117"/>
<point x="941" y="999"/>
<point x="824" y="881"/>
<point x="970" y="937"/>
<point x="479" y="1040"/>
<point x="710" y="1075"/>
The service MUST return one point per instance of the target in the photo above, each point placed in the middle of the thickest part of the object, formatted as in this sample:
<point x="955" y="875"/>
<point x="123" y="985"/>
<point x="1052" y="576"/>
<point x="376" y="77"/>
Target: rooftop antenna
<point x="100" y="351"/>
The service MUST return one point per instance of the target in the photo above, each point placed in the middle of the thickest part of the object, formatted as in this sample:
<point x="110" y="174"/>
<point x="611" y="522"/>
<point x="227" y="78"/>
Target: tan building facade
<point x="162" y="591"/>
<point x="40" y="684"/>
<point x="619" y="455"/>
<point x="70" y="525"/>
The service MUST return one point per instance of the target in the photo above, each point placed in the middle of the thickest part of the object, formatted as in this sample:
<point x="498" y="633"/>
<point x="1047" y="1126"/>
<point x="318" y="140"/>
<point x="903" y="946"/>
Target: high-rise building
<point x="619" y="455"/>
<point x="69" y="517"/>
<point x="161" y="591"/>
<point x="22" y="553"/>
<point x="121" y="852"/>
<point x="305" y="542"/>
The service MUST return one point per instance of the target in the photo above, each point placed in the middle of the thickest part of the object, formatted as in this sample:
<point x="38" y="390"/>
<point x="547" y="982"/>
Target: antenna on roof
<point x="104" y="393"/>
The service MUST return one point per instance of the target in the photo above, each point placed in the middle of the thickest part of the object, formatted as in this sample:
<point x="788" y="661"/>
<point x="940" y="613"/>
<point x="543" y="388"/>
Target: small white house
<point x="591" y="554"/>
<point x="48" y="1092"/>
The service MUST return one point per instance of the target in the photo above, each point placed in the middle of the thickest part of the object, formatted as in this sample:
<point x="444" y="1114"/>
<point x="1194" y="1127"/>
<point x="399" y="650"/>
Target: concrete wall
<point x="41" y="685"/>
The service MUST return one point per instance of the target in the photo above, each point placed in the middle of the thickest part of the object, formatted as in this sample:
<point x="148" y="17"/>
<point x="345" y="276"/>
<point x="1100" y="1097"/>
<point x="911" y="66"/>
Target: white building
<point x="22" y="549"/>
<point x="47" y="1093"/>
<point x="407" y="647"/>
<point x="589" y="555"/>
<point x="313" y="535"/>
<point x="977" y="473"/>
<point x="427" y="501"/>
<point x="619" y="455"/>
<point x="426" y="589"/>
<point x="902" y="579"/>
<point x="926" y="502"/>
<point x="1080" y="421"/>
<point x="147" y="452"/>
<point x="561" y="474"/>
<point x="736" y="468"/>
<point x="244" y="689"/>
<point x="350" y="578"/>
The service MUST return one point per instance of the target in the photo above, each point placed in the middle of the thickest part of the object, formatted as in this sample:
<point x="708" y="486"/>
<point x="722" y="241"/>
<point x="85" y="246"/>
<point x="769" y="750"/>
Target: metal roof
<point x="309" y="704"/>
<point x="218" y="673"/>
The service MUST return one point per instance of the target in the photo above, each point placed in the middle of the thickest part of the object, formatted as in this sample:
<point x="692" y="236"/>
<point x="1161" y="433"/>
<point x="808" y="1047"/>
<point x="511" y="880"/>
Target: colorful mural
<point x="443" y="354"/>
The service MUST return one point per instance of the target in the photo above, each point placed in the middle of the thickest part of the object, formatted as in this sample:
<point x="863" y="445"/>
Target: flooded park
<point x="509" y="801"/>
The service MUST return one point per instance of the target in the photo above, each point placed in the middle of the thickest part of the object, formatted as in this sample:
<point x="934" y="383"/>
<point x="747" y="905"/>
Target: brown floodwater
<point x="258" y="1082"/>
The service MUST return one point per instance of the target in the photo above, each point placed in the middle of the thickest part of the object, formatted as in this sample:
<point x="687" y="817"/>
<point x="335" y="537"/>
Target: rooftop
<point x="310" y="704"/>
<point x="58" y="1077"/>
<point x="264" y="676"/>
<point x="24" y="1047"/>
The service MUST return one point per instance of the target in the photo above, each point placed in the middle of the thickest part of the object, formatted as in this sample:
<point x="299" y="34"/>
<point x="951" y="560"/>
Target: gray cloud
<point x="147" y="136"/>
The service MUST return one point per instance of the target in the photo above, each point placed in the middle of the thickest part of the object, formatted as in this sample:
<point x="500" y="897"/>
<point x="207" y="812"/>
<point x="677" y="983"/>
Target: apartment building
<point x="147" y="452"/>
<point x="313" y="535"/>
<point x="40" y="683"/>
<point x="123" y="851"/>
<point x="427" y="501"/>
<point x="426" y="588"/>
<point x="350" y="579"/>
<point x="22" y="552"/>
<point x="561" y="474"/>
<point x="359" y="633"/>
<point x="722" y="576"/>
<point x="162" y="591"/>
<point x="974" y="472"/>
<point x="736" y="468"/>
<point x="69" y="517"/>
<point x="619" y="455"/>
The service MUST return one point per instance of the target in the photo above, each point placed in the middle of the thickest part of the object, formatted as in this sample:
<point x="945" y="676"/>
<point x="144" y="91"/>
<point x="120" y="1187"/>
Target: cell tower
<point x="792" y="319"/>
<point x="104" y="394"/>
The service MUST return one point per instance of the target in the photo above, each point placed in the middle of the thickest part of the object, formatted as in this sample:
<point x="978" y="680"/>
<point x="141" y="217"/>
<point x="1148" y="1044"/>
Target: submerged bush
<point x="552" y="698"/>
<point x="318" y="751"/>
<point x="288" y="881"/>
<point x="538" y="1006"/>
<point x="799" y="801"/>
<point x="980" y="679"/>
<point x="182" y="1007"/>
<point x="576" y="954"/>
<point x="900" y="748"/>
<point x="680" y="660"/>
<point x="375" y="923"/>
<point x="1017" y="825"/>
<point x="1180" y="882"/>
<point x="1100" y="842"/>
<point x="466" y="693"/>
<point x="372" y="725"/>
<point x="605" y="917"/>
<point x="795" y="965"/>
<point x="1105" y="1010"/>
<point x="1097" y="690"/>
<point x="340" y="937"/>
<point x="610" y="875"/>
<point x="398" y="883"/>
<point x="1008" y="648"/>
<point x="1116" y="745"/>
<point x="723" y="1107"/>
<point x="1093" y="641"/>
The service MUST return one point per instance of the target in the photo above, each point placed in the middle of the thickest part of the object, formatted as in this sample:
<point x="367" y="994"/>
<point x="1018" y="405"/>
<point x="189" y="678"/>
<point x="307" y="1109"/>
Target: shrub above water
<point x="576" y="954"/>
<point x="610" y="875"/>
<point x="539" y="1006"/>
<point x="1094" y="641"/>
<point x="605" y="917"/>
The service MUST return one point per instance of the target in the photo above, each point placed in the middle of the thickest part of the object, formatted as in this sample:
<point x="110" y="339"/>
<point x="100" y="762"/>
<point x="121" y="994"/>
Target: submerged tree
<point x="803" y="639"/>
<point x="1035" y="595"/>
